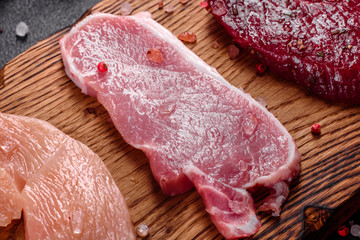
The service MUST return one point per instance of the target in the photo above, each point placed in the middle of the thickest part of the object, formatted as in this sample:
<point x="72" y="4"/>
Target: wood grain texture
<point x="35" y="84"/>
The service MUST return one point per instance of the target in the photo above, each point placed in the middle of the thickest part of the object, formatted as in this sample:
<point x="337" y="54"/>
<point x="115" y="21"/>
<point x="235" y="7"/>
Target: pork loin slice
<point x="63" y="187"/>
<point x="194" y="127"/>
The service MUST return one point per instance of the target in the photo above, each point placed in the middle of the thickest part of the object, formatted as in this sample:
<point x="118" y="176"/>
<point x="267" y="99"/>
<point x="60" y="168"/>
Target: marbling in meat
<point x="313" y="43"/>
<point x="195" y="128"/>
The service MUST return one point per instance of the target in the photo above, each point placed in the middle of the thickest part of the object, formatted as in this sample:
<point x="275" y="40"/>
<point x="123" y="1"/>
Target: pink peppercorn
<point x="102" y="67"/>
<point x="343" y="231"/>
<point x="260" y="68"/>
<point x="316" y="128"/>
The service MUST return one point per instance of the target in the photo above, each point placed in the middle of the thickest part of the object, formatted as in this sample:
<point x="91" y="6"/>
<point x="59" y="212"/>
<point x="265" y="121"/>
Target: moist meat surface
<point x="63" y="188"/>
<point x="313" y="43"/>
<point x="195" y="128"/>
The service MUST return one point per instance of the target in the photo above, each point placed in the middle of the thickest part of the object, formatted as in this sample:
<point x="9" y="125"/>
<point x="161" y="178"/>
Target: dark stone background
<point x="43" y="17"/>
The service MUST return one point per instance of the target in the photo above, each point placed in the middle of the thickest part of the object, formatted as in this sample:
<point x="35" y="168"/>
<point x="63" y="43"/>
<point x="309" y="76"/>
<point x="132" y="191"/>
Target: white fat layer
<point x="249" y="226"/>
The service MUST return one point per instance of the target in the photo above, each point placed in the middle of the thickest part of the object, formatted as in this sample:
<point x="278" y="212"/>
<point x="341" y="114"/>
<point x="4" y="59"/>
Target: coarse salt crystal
<point x="355" y="230"/>
<point x="142" y="230"/>
<point x="169" y="8"/>
<point x="126" y="9"/>
<point x="21" y="29"/>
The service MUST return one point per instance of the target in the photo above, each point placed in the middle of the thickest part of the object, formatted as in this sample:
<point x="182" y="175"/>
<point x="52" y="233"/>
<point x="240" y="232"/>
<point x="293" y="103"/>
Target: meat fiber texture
<point x="312" y="43"/>
<point x="194" y="127"/>
<point x="63" y="187"/>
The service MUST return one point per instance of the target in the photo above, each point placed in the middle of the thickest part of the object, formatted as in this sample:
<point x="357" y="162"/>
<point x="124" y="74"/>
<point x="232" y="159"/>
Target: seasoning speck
<point x="1" y="30"/>
<point x="21" y="29"/>
<point x="204" y="4"/>
<point x="234" y="10"/>
<point x="189" y="37"/>
<point x="301" y="47"/>
<point x="161" y="4"/>
<point x="260" y="68"/>
<point x="343" y="231"/>
<point x="233" y="51"/>
<point x="169" y="8"/>
<point x="215" y="45"/>
<point x="334" y="32"/>
<point x="125" y="9"/>
<point x="102" y="67"/>
<point x="91" y="110"/>
<point x="142" y="230"/>
<point x="316" y="128"/>
<point x="154" y="55"/>
<point x="355" y="230"/>
<point x="320" y="54"/>
<point x="350" y="46"/>
<point x="134" y="180"/>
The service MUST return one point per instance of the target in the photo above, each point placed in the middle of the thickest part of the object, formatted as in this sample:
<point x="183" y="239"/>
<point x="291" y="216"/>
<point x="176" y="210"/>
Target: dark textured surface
<point x="43" y="17"/>
<point x="313" y="43"/>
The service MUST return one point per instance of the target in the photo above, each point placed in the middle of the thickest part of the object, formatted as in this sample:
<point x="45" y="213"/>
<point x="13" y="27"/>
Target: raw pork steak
<point x="195" y="128"/>
<point x="313" y="43"/>
<point x="64" y="188"/>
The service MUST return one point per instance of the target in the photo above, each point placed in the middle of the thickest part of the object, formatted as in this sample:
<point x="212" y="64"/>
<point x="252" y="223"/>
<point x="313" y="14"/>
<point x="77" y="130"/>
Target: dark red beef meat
<point x="313" y="43"/>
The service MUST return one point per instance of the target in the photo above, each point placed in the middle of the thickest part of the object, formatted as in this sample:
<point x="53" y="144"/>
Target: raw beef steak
<point x="195" y="128"/>
<point x="313" y="43"/>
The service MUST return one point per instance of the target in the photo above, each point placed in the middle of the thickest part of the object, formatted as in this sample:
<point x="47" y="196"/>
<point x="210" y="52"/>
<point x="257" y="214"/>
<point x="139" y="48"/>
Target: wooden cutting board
<point x="35" y="84"/>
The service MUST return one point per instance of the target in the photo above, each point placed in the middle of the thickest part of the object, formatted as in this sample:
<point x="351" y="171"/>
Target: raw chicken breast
<point x="195" y="128"/>
<point x="64" y="188"/>
<point x="10" y="199"/>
